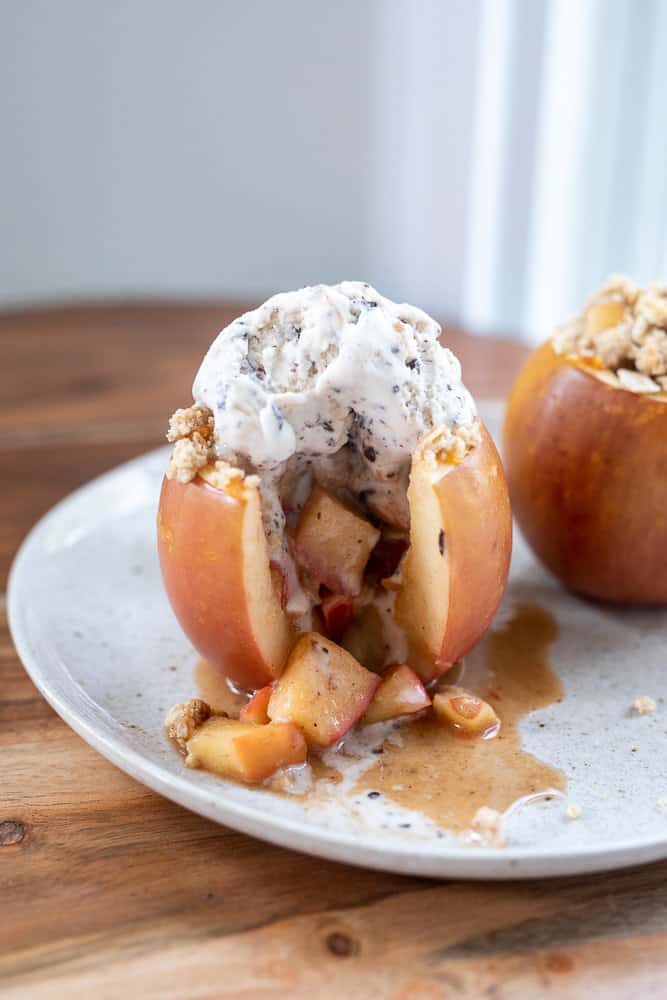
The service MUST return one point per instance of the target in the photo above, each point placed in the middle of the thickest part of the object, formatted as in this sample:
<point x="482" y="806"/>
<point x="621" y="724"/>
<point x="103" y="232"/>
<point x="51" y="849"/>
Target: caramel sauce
<point x="448" y="777"/>
<point x="214" y="688"/>
<point x="430" y="768"/>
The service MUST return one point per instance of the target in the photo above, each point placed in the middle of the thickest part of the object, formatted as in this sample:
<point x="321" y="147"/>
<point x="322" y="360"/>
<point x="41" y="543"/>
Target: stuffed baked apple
<point x="333" y="509"/>
<point x="585" y="447"/>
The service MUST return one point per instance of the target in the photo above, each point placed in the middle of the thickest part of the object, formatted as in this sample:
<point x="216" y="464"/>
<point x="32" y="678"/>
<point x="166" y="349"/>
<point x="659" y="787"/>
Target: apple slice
<point x="338" y="612"/>
<point x="323" y="690"/>
<point x="333" y="543"/>
<point x="215" y="564"/>
<point x="454" y="573"/>
<point x="255" y="709"/>
<point x="245" y="751"/>
<point x="401" y="692"/>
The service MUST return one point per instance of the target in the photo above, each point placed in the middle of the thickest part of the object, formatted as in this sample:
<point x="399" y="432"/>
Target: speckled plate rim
<point x="412" y="857"/>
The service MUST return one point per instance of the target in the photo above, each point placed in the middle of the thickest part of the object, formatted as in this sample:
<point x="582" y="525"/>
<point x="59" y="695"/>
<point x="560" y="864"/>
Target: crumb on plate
<point x="182" y="720"/>
<point x="643" y="705"/>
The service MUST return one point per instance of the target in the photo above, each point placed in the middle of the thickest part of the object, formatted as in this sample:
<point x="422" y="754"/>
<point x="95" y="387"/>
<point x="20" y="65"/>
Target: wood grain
<point x="110" y="891"/>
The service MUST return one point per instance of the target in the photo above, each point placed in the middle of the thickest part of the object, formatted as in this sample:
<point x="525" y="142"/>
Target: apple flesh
<point x="215" y="566"/>
<point x="323" y="690"/>
<point x="243" y="751"/>
<point x="333" y="543"/>
<point x="255" y="710"/>
<point x="454" y="573"/>
<point x="401" y="692"/>
<point x="587" y="468"/>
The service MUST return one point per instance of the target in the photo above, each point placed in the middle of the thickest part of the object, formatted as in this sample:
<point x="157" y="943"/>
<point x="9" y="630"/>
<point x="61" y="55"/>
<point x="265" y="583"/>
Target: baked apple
<point x="333" y="505"/>
<point x="585" y="447"/>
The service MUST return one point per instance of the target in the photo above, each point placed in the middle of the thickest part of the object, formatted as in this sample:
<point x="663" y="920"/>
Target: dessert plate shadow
<point x="93" y="627"/>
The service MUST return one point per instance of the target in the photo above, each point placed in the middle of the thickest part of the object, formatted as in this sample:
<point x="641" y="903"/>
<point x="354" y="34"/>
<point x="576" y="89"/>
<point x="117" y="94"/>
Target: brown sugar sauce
<point x="448" y="777"/>
<point x="214" y="688"/>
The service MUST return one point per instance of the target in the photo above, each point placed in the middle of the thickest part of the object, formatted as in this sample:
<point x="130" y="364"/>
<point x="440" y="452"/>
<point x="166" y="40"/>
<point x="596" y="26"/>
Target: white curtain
<point x="519" y="154"/>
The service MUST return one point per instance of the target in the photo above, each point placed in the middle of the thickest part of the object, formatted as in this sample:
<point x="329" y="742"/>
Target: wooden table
<point x="110" y="891"/>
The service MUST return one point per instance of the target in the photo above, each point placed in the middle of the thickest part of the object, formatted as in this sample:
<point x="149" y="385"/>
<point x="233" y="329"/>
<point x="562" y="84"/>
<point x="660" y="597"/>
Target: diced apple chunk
<point x="244" y="751"/>
<point x="338" y="612"/>
<point x="333" y="543"/>
<point x="465" y="712"/>
<point x="401" y="692"/>
<point x="255" y="709"/>
<point x="323" y="689"/>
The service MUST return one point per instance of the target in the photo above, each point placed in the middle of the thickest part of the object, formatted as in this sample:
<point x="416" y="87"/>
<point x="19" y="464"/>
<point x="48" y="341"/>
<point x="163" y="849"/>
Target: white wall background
<point x="197" y="147"/>
<point x="491" y="160"/>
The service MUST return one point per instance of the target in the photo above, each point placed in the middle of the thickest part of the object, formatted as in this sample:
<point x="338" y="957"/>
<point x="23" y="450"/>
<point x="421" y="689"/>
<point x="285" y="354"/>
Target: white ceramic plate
<point x="95" y="632"/>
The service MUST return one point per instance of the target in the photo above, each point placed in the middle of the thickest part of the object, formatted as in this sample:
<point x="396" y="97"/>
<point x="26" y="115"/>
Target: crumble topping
<point x="191" y="432"/>
<point x="190" y="420"/>
<point x="622" y="331"/>
<point x="573" y="811"/>
<point x="182" y="720"/>
<point x="644" y="705"/>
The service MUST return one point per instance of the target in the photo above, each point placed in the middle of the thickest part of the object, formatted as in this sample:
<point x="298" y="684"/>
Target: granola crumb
<point x="187" y="458"/>
<point x="488" y="824"/>
<point x="191" y="433"/>
<point x="644" y="705"/>
<point x="189" y="419"/>
<point x="573" y="811"/>
<point x="662" y="804"/>
<point x="621" y="330"/>
<point x="447" y="446"/>
<point x="182" y="720"/>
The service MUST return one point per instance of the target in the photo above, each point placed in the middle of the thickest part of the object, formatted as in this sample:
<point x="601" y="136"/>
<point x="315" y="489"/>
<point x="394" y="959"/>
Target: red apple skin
<point x="338" y="612"/>
<point x="386" y="556"/>
<point x="255" y="710"/>
<point x="215" y="567"/>
<point x="587" y="470"/>
<point x="455" y="571"/>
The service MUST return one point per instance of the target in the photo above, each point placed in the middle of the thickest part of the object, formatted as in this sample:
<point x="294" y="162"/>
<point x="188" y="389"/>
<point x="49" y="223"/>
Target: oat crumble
<point x="191" y="433"/>
<point x="182" y="720"/>
<point x="622" y="329"/>
<point x="573" y="811"/>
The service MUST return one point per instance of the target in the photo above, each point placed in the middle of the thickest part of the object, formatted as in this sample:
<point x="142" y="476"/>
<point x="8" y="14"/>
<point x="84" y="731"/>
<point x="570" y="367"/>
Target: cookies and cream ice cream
<point x="333" y="381"/>
<point x="313" y="370"/>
